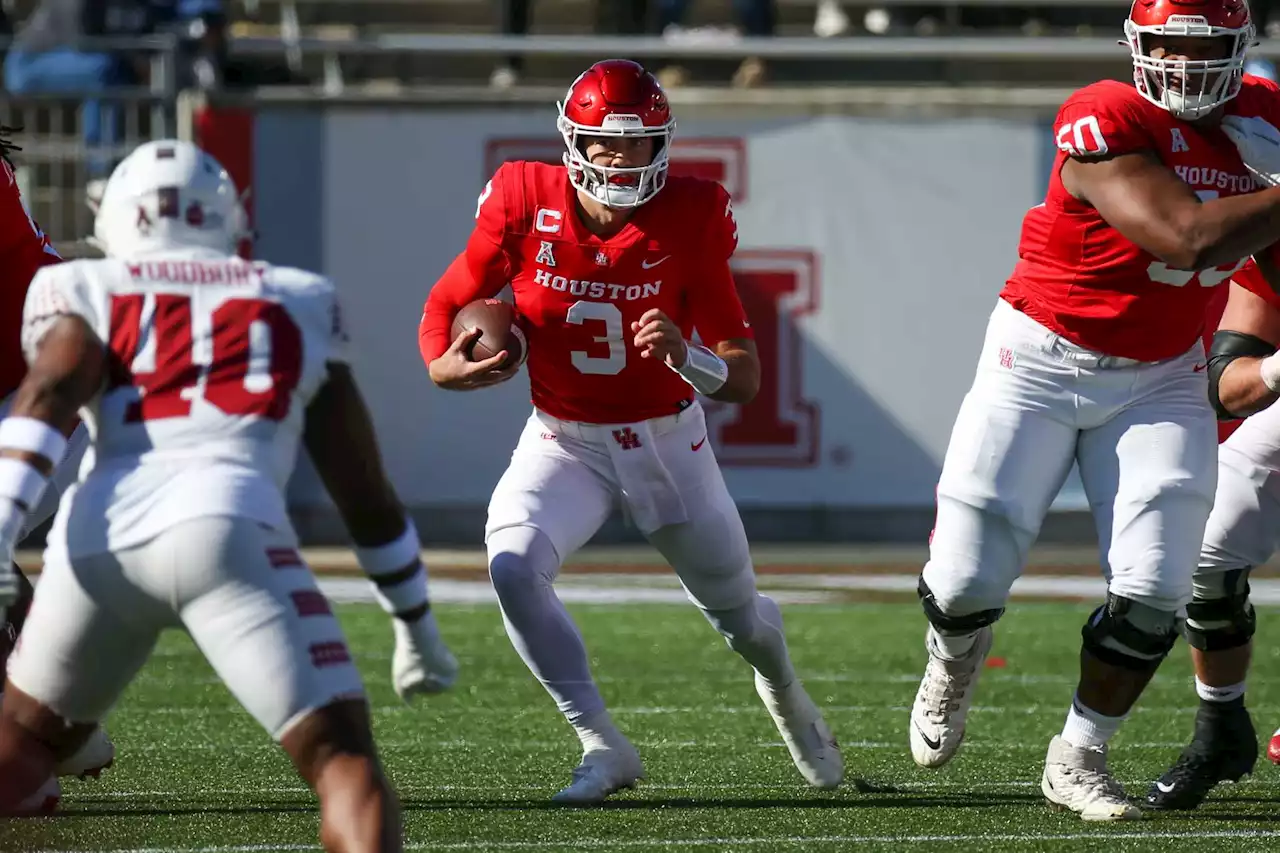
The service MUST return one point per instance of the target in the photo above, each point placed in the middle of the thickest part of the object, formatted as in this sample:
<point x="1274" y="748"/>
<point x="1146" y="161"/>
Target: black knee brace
<point x="947" y="624"/>
<point x="1130" y="634"/>
<point x="1222" y="623"/>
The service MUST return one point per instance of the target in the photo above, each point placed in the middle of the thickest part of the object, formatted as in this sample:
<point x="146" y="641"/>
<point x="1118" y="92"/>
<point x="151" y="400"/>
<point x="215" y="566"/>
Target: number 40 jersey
<point x="211" y="363"/>
<point x="1085" y="281"/>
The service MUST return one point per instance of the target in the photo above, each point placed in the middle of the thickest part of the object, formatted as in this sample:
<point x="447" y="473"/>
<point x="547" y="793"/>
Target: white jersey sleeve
<point x="313" y="300"/>
<point x="58" y="291"/>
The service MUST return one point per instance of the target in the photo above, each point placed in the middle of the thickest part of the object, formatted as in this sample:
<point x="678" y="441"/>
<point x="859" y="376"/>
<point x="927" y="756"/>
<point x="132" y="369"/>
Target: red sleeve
<point x="1251" y="279"/>
<point x="479" y="272"/>
<point x="716" y="309"/>
<point x="24" y="249"/>
<point x="1096" y="121"/>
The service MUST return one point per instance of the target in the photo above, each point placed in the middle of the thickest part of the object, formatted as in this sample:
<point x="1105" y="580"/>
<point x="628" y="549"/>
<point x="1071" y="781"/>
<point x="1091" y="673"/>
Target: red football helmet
<point x="1189" y="89"/>
<point x="616" y="97"/>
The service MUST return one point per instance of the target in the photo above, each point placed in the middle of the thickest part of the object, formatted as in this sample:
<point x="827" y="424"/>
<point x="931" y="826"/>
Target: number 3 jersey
<point x="1080" y="277"/>
<point x="211" y="363"/>
<point x="577" y="294"/>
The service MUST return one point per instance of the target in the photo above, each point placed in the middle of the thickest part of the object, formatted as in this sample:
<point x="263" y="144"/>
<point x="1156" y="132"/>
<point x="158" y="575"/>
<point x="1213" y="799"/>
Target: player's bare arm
<point x="1150" y="205"/>
<point x="340" y="438"/>
<point x="1244" y="372"/>
<point x="68" y="370"/>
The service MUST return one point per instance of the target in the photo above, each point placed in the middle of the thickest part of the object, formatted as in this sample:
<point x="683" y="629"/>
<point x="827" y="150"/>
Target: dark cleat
<point x="1223" y="749"/>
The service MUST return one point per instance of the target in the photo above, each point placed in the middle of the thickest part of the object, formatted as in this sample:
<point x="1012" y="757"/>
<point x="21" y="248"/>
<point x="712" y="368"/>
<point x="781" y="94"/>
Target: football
<point x="496" y="320"/>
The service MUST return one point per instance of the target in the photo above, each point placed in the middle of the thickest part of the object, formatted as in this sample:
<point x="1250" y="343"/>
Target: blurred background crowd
<point x="61" y="58"/>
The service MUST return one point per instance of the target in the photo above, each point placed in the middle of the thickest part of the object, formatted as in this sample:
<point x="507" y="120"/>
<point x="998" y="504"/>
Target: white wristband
<point x="702" y="369"/>
<point x="1269" y="368"/>
<point x="393" y="556"/>
<point x="21" y="483"/>
<point x="33" y="436"/>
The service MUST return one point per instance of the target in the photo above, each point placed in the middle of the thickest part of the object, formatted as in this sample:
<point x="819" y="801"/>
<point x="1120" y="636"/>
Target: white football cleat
<point x="97" y="754"/>
<point x="41" y="803"/>
<point x="812" y="746"/>
<point x="1077" y="779"/>
<point x="943" y="700"/>
<point x="602" y="772"/>
<point x="422" y="664"/>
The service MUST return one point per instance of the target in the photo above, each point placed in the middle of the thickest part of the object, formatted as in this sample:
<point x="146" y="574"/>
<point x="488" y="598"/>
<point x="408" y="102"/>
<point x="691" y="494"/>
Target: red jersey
<point x="23" y="249"/>
<point x="1078" y="276"/>
<point x="577" y="294"/>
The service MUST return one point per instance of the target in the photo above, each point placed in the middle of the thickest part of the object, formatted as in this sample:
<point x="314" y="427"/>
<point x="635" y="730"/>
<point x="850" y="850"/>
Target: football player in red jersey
<point x="1243" y="532"/>
<point x="24" y="249"/>
<point x="614" y="264"/>
<point x="1092" y="356"/>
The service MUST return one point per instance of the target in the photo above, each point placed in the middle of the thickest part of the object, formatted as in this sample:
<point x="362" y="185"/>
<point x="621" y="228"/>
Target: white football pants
<point x="566" y="478"/>
<point x="1145" y="439"/>
<point x="1244" y="527"/>
<point x="241" y="591"/>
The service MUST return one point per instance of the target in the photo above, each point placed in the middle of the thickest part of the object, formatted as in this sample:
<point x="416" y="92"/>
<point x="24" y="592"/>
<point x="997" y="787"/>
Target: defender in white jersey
<point x="197" y="373"/>
<point x="1243" y="532"/>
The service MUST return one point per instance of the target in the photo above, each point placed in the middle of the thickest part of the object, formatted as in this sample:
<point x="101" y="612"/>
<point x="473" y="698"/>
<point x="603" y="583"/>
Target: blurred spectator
<point x="755" y="18"/>
<point x="1261" y="67"/>
<point x="830" y="20"/>
<point x="513" y="19"/>
<point x="50" y="56"/>
<point x="201" y="28"/>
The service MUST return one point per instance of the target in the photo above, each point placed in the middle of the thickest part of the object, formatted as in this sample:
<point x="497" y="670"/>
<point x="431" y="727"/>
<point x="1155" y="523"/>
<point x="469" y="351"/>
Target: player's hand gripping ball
<point x="496" y="322"/>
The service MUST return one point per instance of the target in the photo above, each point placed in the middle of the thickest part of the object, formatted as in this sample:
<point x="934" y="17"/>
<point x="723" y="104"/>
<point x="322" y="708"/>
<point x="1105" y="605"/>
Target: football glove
<point x="1258" y="142"/>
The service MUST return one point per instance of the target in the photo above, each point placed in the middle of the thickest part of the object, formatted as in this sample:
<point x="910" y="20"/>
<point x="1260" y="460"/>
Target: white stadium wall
<point x="871" y="253"/>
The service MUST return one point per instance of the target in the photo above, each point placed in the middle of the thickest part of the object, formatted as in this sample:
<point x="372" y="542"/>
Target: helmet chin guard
<point x="1189" y="89"/>
<point x="619" y="98"/>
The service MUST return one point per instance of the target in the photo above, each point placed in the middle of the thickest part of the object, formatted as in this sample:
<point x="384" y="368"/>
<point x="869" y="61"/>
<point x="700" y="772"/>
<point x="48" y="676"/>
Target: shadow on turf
<point x="87" y="808"/>
<point x="854" y="797"/>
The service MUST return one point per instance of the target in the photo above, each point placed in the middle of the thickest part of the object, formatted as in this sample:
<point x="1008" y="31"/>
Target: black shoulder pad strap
<point x="1226" y="348"/>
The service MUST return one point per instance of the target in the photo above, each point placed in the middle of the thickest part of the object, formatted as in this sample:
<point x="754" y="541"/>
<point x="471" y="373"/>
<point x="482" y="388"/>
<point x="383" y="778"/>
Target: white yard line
<point x="578" y="843"/>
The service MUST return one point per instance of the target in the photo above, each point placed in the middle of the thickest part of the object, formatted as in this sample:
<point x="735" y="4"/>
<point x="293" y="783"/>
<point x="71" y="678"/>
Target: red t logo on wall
<point x="779" y="428"/>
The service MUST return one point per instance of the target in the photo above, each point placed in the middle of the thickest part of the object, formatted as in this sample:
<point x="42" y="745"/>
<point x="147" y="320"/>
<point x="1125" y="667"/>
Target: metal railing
<point x="57" y="166"/>
<point x="1004" y="48"/>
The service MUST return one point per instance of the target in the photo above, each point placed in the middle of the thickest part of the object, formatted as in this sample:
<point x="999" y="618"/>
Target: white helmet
<point x="169" y="195"/>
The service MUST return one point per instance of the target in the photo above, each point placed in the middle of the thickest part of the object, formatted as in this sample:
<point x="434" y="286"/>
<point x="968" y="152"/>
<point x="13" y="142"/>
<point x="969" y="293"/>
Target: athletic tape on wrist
<point x="21" y="482"/>
<point x="33" y="436"/>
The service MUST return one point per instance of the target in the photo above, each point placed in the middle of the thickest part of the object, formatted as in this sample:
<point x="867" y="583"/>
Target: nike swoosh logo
<point x="699" y="444"/>
<point x="1165" y="789"/>
<point x="932" y="743"/>
<point x="649" y="266"/>
<point x="1198" y="368"/>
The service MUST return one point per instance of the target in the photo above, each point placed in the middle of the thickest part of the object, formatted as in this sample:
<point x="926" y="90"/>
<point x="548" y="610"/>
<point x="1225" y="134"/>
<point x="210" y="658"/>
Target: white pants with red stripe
<point x="242" y="592"/>
<point x="1143" y="435"/>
